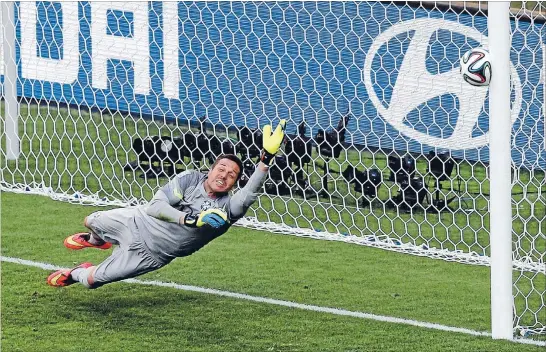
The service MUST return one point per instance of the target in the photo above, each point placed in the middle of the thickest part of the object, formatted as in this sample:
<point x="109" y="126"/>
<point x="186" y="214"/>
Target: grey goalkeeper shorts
<point x="130" y="257"/>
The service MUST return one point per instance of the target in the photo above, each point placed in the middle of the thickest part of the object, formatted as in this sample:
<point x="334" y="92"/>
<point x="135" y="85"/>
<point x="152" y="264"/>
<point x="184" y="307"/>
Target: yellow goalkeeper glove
<point x="272" y="142"/>
<point x="215" y="218"/>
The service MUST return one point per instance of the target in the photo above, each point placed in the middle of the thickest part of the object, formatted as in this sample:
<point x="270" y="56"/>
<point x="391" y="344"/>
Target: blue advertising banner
<point x="395" y="68"/>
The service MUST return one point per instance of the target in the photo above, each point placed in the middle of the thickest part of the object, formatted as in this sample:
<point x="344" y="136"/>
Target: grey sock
<point x="80" y="275"/>
<point x="95" y="240"/>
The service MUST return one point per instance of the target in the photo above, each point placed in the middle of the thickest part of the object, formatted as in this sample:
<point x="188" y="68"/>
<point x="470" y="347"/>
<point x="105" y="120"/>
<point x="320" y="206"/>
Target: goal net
<point x="387" y="146"/>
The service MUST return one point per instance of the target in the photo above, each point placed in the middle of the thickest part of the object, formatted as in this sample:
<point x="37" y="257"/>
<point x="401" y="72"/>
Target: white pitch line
<point x="278" y="302"/>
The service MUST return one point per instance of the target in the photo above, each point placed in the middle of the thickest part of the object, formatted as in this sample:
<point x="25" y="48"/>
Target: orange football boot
<point x="62" y="278"/>
<point x="81" y="240"/>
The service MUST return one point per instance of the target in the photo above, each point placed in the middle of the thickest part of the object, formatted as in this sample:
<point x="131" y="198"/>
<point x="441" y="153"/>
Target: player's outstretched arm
<point x="162" y="204"/>
<point x="245" y="197"/>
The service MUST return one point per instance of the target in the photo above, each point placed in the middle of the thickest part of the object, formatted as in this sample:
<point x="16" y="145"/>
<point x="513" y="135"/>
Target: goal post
<point x="500" y="140"/>
<point x="9" y="86"/>
<point x="386" y="146"/>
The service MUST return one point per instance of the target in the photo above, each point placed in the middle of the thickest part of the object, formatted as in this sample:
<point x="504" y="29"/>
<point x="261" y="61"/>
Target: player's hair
<point x="233" y="158"/>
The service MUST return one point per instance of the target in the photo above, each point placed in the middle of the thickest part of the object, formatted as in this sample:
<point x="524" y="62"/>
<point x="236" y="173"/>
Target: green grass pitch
<point x="132" y="317"/>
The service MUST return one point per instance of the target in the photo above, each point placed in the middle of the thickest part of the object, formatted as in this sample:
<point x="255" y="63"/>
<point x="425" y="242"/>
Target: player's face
<point x="223" y="176"/>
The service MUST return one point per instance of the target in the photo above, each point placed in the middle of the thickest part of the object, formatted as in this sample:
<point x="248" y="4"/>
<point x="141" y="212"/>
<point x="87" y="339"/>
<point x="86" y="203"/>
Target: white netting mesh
<point x="387" y="145"/>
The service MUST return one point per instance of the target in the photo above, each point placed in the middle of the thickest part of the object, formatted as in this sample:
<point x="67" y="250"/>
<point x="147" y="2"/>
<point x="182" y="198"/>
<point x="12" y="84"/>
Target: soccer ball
<point x="476" y="67"/>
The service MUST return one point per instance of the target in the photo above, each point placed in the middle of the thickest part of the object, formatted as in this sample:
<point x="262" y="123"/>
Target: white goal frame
<point x="500" y="138"/>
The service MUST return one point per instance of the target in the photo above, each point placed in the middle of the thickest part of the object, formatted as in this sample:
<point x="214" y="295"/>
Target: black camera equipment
<point x="330" y="145"/>
<point x="219" y="147"/>
<point x="412" y="194"/>
<point x="402" y="169"/>
<point x="279" y="175"/>
<point x="156" y="155"/>
<point x="440" y="166"/>
<point x="277" y="179"/>
<point x="211" y="146"/>
<point x="190" y="148"/>
<point x="250" y="142"/>
<point x="248" y="169"/>
<point x="412" y="188"/>
<point x="159" y="156"/>
<point x="298" y="150"/>
<point x="365" y="182"/>
<point x="145" y="160"/>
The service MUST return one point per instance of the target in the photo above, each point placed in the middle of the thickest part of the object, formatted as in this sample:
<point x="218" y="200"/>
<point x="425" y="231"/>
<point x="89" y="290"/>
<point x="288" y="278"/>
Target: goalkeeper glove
<point x="215" y="218"/>
<point x="272" y="142"/>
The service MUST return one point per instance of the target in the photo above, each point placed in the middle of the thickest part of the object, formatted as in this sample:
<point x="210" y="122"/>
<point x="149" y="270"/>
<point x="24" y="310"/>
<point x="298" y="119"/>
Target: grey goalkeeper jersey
<point x="158" y="221"/>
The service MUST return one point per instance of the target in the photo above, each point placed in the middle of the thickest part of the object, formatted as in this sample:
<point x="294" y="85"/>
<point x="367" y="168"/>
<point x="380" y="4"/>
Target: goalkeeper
<point x="184" y="215"/>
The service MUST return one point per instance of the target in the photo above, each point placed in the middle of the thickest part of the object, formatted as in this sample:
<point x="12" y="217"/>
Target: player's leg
<point x="124" y="263"/>
<point x="131" y="258"/>
<point x="105" y="228"/>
